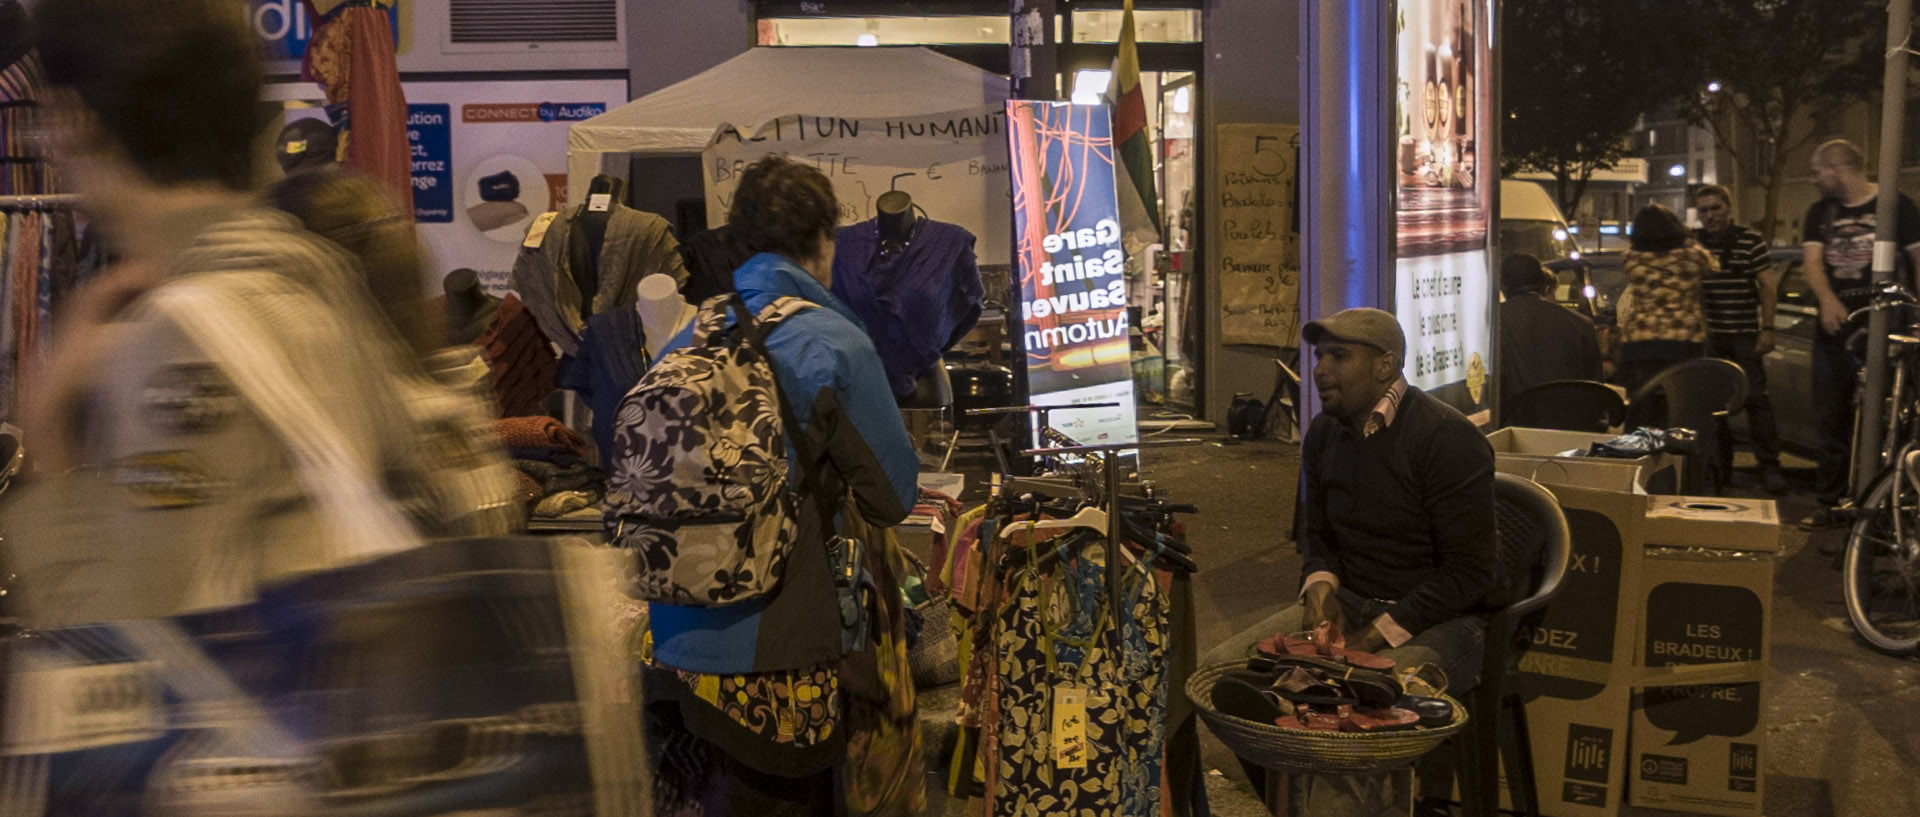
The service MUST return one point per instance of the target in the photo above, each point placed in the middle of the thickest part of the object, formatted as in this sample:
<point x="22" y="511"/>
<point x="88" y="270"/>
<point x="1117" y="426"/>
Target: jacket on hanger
<point x="711" y="256"/>
<point x="916" y="301"/>
<point x="636" y="245"/>
<point x="611" y="358"/>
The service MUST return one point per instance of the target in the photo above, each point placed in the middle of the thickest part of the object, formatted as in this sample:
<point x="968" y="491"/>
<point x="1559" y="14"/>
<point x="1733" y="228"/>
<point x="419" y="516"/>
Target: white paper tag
<point x="1069" y="727"/>
<point x="537" y="231"/>
<point x="599" y="202"/>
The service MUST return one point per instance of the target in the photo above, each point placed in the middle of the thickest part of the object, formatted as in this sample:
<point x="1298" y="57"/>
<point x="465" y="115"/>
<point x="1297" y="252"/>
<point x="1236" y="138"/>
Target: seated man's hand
<point x="1318" y="605"/>
<point x="1368" y="640"/>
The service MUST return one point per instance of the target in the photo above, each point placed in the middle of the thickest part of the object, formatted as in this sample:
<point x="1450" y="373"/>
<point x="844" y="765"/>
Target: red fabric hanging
<point x="376" y="106"/>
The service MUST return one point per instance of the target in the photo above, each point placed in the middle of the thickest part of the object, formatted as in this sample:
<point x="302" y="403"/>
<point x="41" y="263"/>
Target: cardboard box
<point x="1627" y="650"/>
<point x="1580" y="753"/>
<point x="1534" y="453"/>
<point x="1697" y="734"/>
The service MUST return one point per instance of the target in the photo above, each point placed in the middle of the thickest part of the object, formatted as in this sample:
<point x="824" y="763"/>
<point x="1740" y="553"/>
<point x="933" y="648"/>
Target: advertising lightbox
<point x="1070" y="267"/>
<point x="1443" y="184"/>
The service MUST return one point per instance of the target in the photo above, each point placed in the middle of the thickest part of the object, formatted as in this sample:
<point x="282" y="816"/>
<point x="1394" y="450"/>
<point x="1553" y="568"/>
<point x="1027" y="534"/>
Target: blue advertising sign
<point x="1072" y="271"/>
<point x="430" y="141"/>
<point x="285" y="29"/>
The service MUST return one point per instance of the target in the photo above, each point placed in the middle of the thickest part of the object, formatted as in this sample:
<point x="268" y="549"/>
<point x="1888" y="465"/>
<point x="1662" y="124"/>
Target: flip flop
<point x="1302" y="686"/>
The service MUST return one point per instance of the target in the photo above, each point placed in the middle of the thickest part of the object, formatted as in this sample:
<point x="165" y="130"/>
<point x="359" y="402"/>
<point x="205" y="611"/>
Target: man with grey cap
<point x="1399" y="534"/>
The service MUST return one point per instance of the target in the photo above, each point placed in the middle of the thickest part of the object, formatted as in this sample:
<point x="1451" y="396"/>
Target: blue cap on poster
<point x="502" y="186"/>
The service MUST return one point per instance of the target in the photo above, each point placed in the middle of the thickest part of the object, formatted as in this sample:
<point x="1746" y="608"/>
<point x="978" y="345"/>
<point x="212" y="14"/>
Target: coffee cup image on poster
<point x="1070" y="267"/>
<point x="1443" y="199"/>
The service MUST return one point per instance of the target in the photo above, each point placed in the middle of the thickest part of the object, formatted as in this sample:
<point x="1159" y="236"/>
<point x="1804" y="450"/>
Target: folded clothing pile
<point x="555" y="479"/>
<point x="1315" y="683"/>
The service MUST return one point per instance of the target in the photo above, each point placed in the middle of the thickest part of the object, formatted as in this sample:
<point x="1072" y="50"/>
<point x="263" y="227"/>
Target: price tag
<point x="537" y="231"/>
<point x="1069" y="727"/>
<point x="599" y="202"/>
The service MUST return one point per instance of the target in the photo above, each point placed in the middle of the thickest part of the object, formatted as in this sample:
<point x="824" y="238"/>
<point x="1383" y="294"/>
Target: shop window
<point x="828" y="31"/>
<point x="1149" y="26"/>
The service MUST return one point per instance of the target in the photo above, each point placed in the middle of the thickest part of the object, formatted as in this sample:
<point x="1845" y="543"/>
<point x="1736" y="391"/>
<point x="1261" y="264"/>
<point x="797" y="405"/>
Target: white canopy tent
<point x="766" y="83"/>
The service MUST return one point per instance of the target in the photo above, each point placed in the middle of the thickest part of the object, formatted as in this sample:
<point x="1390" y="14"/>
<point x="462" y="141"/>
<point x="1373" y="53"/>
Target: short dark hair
<point x="1842" y="153"/>
<point x="783" y="207"/>
<point x="1657" y="229"/>
<point x="175" y="84"/>
<point x="1714" y="190"/>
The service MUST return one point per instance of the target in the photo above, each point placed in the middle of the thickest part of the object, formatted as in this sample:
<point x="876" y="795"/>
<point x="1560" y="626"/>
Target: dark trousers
<point x="1762" y="434"/>
<point x="1835" y="379"/>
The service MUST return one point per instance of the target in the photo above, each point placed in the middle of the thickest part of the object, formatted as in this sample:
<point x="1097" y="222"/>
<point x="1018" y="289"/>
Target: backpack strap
<point x="755" y="330"/>
<point x="710" y="323"/>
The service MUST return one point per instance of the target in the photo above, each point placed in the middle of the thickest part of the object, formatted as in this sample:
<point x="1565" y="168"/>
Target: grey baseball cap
<point x="1373" y="327"/>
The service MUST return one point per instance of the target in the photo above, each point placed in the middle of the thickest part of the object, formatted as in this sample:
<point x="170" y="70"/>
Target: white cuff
<point x="1315" y="578"/>
<point x="1396" y="635"/>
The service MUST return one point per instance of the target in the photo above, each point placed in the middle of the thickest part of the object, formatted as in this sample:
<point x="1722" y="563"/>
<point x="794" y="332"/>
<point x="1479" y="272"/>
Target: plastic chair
<point x="1698" y="394"/>
<point x="1566" y="405"/>
<point x="1525" y="515"/>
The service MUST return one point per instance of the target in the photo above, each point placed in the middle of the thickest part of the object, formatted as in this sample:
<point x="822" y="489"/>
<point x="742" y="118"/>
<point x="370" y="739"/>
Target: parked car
<point x="1790" y="364"/>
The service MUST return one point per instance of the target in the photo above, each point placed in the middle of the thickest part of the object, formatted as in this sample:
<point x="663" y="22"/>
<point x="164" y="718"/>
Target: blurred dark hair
<point x="361" y="216"/>
<point x="783" y="207"/>
<point x="1657" y="229"/>
<point x="175" y="84"/>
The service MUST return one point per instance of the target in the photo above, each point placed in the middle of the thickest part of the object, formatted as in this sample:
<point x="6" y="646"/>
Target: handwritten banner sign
<point x="953" y="164"/>
<point x="1260" y="247"/>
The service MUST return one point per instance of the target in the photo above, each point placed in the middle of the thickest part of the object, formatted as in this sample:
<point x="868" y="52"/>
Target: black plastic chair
<point x="1529" y="521"/>
<point x="1566" y="405"/>
<point x="1698" y="394"/>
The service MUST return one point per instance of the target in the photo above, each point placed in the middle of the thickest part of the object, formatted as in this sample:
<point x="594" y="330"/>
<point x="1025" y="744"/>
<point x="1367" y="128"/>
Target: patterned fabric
<point x="1665" y="287"/>
<point x="1383" y="411"/>
<point x="886" y="767"/>
<point x="699" y="486"/>
<point x="1054" y="632"/>
<point x="520" y="363"/>
<point x="798" y="708"/>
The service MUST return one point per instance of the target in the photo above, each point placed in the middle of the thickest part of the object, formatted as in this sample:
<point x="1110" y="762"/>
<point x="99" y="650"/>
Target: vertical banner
<point x="1444" y="175"/>
<point x="1260" y="247"/>
<point x="1070" y="268"/>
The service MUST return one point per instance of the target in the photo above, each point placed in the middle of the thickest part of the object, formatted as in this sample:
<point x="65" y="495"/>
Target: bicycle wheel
<point x="1880" y="577"/>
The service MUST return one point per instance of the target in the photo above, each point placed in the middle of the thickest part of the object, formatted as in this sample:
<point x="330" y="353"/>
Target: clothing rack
<point x="1110" y="465"/>
<point x="40" y="201"/>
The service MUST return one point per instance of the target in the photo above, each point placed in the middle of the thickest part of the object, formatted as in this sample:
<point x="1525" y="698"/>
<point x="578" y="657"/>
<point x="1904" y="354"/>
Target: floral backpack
<point x="698" y="487"/>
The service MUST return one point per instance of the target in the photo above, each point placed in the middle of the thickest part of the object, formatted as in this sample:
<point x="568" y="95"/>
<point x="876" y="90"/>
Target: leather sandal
<point x="1391" y="719"/>
<point x="1302" y="686"/>
<point x="1248" y="696"/>
<point x="1431" y="712"/>
<point x="1369" y="689"/>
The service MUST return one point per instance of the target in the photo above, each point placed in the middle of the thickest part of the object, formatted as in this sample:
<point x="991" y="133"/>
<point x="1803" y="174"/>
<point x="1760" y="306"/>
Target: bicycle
<point x="1880" y="568"/>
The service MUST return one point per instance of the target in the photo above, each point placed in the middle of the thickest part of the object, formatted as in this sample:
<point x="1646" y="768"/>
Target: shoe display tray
<point x="1305" y="751"/>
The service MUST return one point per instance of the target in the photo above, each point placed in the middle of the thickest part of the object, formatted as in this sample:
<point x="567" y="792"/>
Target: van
<point x="1531" y="223"/>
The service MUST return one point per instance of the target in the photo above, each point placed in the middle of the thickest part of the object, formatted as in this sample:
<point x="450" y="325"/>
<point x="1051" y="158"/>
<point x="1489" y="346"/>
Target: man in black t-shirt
<point x="1739" y="300"/>
<point x="1839" y="233"/>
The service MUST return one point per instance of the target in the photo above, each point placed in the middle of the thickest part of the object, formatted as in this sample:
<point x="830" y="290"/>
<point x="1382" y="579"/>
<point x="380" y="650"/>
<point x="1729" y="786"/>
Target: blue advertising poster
<point x="430" y="139"/>
<point x="1071" y="269"/>
<point x="285" y="29"/>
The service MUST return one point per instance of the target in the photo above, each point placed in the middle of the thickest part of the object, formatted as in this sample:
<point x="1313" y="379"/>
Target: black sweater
<point x="1405" y="515"/>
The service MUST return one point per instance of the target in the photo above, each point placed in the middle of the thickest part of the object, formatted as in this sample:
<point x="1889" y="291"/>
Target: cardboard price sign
<point x="1260" y="240"/>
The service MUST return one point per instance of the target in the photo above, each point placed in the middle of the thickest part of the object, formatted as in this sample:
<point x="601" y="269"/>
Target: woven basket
<point x="1309" y="752"/>
<point x="935" y="657"/>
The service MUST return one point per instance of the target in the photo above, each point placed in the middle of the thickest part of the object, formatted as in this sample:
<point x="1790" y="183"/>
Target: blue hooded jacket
<point x="832" y="378"/>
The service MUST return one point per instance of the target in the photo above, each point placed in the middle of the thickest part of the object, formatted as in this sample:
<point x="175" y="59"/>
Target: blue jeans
<point x="1455" y="646"/>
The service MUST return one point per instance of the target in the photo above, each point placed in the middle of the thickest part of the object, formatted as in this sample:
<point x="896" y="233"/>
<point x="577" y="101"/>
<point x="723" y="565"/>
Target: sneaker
<point x="1823" y="519"/>
<point x="1771" y="479"/>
